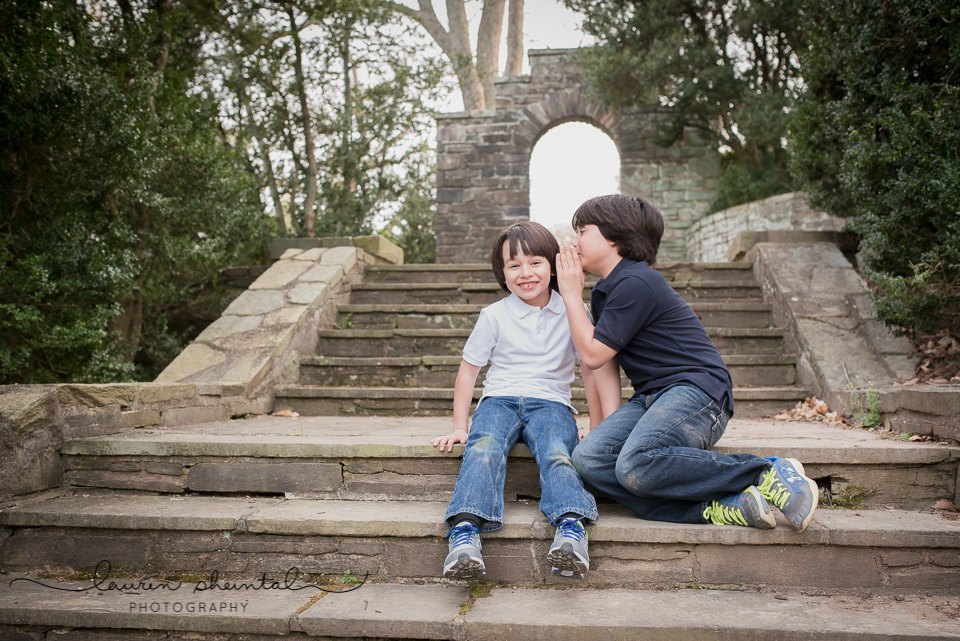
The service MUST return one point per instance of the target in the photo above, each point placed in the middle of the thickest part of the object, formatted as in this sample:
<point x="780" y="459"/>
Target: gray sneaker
<point x="568" y="555"/>
<point x="464" y="560"/>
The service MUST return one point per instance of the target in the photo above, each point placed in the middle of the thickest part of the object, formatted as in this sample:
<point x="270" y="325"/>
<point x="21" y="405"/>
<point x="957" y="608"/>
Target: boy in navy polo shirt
<point x="652" y="454"/>
<point x="526" y="395"/>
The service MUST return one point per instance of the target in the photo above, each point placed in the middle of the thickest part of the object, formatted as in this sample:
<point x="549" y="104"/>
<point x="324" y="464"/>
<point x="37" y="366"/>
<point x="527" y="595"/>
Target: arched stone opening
<point x="564" y="176"/>
<point x="483" y="159"/>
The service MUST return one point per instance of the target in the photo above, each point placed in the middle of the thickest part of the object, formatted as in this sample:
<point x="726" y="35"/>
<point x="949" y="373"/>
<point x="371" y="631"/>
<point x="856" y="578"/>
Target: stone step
<point x="751" y="402"/>
<point x="376" y="458"/>
<point x="455" y="612"/>
<point x="449" y="342"/>
<point x="481" y="272"/>
<point x="886" y="551"/>
<point x="484" y="293"/>
<point x="441" y="371"/>
<point x="437" y="316"/>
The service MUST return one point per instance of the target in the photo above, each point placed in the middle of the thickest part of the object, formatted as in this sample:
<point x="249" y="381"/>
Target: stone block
<point x="249" y="369"/>
<point x="227" y="325"/>
<point x="311" y="255"/>
<point x="156" y="393"/>
<point x="280" y="274"/>
<point x="195" y="415"/>
<point x="290" y="253"/>
<point x="67" y="548"/>
<point x="330" y="274"/>
<point x="125" y="481"/>
<point x="231" y="389"/>
<point x="380" y="247"/>
<point x="345" y="257"/>
<point x="256" y="302"/>
<point x="163" y="467"/>
<point x="307" y="293"/>
<point x="28" y="428"/>
<point x="195" y="358"/>
<point x="84" y="422"/>
<point x="42" y="472"/>
<point x="121" y="394"/>
<point x="811" y="566"/>
<point x="264" y="477"/>
<point x="901" y="558"/>
<point x="275" y="337"/>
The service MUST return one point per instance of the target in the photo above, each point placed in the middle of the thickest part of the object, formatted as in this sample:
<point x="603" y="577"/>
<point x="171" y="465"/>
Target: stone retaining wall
<point x="844" y="354"/>
<point x="230" y="370"/>
<point x="709" y="239"/>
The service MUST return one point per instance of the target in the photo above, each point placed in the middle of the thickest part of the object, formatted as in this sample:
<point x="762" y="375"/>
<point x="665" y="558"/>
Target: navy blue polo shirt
<point x="659" y="340"/>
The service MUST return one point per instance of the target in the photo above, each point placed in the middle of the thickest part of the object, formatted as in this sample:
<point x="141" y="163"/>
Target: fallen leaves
<point x="811" y="409"/>
<point x="939" y="362"/>
<point x="286" y="413"/>
<point x="946" y="506"/>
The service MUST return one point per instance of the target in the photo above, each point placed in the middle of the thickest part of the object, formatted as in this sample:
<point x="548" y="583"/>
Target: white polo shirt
<point x="530" y="350"/>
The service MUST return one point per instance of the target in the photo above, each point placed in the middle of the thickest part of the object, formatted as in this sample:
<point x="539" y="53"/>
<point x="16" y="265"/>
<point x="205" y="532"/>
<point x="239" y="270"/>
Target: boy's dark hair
<point x="532" y="239"/>
<point x="632" y="223"/>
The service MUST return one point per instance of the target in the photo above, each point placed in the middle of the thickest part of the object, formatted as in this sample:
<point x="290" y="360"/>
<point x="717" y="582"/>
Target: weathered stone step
<point x="892" y="551"/>
<point x="436" y="316"/>
<point x="454" y="612"/>
<point x="449" y="342"/>
<point x="391" y="459"/>
<point x="481" y="272"/>
<point x="484" y="293"/>
<point x="441" y="371"/>
<point x="751" y="402"/>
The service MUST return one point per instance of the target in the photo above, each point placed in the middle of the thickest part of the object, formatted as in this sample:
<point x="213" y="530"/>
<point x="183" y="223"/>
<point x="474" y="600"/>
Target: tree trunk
<point x="274" y="189"/>
<point x="488" y="48"/>
<point x="514" y="39"/>
<point x="309" y="214"/>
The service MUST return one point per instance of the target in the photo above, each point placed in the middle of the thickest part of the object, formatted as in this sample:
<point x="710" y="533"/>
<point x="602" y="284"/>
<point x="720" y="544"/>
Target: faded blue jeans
<point x="549" y="430"/>
<point x="652" y="456"/>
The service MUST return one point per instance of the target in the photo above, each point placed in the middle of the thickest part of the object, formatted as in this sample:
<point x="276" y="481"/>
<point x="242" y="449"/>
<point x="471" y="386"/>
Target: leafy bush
<point x="876" y="138"/>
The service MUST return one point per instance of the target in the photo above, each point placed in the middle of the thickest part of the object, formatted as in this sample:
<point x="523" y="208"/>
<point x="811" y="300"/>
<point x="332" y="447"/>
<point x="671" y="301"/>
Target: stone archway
<point x="483" y="159"/>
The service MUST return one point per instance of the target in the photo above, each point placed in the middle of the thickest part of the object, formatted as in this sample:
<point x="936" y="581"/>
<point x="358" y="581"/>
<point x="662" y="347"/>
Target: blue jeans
<point x="549" y="430"/>
<point x="652" y="456"/>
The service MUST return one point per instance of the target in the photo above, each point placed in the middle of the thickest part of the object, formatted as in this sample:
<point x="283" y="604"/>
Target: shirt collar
<point x="605" y="284"/>
<point x="521" y="309"/>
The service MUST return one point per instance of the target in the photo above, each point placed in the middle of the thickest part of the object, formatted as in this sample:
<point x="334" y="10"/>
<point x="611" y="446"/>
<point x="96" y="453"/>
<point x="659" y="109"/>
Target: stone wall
<point x="845" y="355"/>
<point x="229" y="371"/>
<point x="483" y="159"/>
<point x="709" y="239"/>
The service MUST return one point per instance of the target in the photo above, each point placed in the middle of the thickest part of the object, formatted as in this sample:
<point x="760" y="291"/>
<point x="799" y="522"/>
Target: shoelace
<point x="722" y="515"/>
<point x="774" y="490"/>
<point x="463" y="535"/>
<point x="572" y="529"/>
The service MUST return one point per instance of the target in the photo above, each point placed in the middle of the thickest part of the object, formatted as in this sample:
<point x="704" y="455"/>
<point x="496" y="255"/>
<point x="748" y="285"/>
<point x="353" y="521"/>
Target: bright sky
<point x="571" y="162"/>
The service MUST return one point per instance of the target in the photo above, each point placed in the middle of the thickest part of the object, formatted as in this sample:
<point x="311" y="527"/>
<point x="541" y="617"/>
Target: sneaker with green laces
<point x="785" y="486"/>
<point x="748" y="509"/>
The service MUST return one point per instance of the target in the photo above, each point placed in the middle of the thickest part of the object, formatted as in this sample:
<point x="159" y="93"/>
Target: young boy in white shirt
<point x="526" y="394"/>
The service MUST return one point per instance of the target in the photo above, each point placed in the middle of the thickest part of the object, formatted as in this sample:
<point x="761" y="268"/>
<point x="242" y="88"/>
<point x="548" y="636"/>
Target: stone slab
<point x="185" y="609"/>
<point x="256" y="302"/>
<point x="227" y="325"/>
<point x="280" y="274"/>
<point x="380" y="247"/>
<point x="389" y="611"/>
<point x="195" y="358"/>
<point x="330" y="274"/>
<point x="121" y="394"/>
<point x="576" y="615"/>
<point x="311" y="255"/>
<point x="307" y="293"/>
<point x="136" y="512"/>
<point x="345" y="257"/>
<point x="274" y="478"/>
<point x="153" y="393"/>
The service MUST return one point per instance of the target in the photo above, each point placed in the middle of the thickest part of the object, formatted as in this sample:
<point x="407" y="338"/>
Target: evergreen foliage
<point x="119" y="200"/>
<point x="727" y="68"/>
<point x="876" y="138"/>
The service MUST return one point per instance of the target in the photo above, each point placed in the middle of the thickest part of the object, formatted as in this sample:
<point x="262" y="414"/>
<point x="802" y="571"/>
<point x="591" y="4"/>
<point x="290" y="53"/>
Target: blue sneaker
<point x="464" y="560"/>
<point x="568" y="553"/>
<point x="785" y="486"/>
<point x="747" y="509"/>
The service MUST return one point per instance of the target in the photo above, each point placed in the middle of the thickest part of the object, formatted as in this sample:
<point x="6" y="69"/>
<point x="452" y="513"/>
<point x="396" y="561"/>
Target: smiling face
<point x="527" y="276"/>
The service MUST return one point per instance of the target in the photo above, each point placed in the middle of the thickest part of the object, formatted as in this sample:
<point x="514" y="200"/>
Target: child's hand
<point x="569" y="272"/>
<point x="457" y="436"/>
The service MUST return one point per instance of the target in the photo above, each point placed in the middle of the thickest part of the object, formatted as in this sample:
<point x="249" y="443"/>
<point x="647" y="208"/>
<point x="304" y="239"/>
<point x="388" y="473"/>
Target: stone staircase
<point x="352" y="488"/>
<point x="396" y="349"/>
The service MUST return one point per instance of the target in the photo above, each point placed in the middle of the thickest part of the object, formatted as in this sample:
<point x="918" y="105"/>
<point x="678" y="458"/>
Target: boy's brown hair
<point x="634" y="224"/>
<point x="532" y="239"/>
